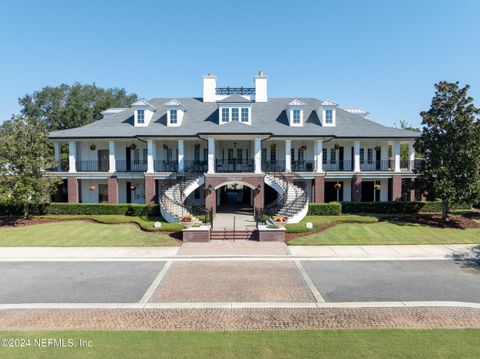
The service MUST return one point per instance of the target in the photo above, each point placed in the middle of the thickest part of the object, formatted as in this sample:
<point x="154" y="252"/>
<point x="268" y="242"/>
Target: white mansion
<point x="231" y="146"/>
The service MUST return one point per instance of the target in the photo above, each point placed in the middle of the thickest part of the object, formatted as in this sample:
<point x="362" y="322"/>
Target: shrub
<point x="325" y="209"/>
<point x="136" y="210"/>
<point x="396" y="207"/>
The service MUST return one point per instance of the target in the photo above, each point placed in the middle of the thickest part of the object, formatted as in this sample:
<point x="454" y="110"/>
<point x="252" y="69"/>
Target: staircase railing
<point x="281" y="179"/>
<point x="179" y="207"/>
<point x="281" y="201"/>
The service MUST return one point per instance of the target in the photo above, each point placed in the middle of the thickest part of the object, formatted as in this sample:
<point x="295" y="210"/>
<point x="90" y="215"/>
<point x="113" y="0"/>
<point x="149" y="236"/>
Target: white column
<point x="411" y="157"/>
<point x="318" y="155"/>
<point x="211" y="155"/>
<point x="258" y="155"/>
<point x="56" y="150"/>
<point x="72" y="156"/>
<point x="288" y="156"/>
<point x="150" y="156"/>
<point x="356" y="156"/>
<point x="111" y="157"/>
<point x="396" y="156"/>
<point x="181" y="156"/>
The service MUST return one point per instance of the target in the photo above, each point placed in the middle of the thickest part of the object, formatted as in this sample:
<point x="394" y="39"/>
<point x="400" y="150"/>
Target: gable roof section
<point x="267" y="118"/>
<point x="234" y="99"/>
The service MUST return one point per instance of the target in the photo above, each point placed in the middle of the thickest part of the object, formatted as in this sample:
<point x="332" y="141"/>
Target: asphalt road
<point x="76" y="282"/>
<point x="361" y="281"/>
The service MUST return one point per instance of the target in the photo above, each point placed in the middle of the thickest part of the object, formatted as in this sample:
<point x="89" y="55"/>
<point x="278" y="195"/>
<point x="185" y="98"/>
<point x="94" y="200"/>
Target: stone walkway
<point x="239" y="319"/>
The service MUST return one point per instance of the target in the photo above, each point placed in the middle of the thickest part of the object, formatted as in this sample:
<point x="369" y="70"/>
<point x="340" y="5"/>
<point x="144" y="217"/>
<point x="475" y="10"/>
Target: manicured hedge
<point x="395" y="207"/>
<point x="325" y="209"/>
<point x="86" y="208"/>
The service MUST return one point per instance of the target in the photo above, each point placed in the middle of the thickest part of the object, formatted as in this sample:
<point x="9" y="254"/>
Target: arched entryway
<point x="234" y="201"/>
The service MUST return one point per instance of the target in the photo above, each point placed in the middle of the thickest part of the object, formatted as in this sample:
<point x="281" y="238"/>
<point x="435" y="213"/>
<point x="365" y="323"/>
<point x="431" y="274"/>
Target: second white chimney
<point x="260" y="87"/>
<point x="209" y="86"/>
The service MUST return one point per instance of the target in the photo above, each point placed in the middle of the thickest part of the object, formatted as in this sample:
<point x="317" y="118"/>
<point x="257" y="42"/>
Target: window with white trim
<point x="244" y="114"/>
<point x="225" y="114"/>
<point x="296" y="116"/>
<point x="329" y="116"/>
<point x="324" y="156"/>
<point x="235" y="114"/>
<point x="301" y="155"/>
<point x="362" y="155"/>
<point x="140" y="116"/>
<point x="173" y="116"/>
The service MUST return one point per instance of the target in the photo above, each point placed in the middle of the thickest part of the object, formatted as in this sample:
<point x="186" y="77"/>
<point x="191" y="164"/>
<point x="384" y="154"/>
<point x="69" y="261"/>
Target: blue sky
<point x="383" y="56"/>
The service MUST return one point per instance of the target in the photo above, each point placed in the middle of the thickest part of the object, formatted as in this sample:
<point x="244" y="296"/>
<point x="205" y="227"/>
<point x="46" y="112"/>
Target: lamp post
<point x="337" y="187"/>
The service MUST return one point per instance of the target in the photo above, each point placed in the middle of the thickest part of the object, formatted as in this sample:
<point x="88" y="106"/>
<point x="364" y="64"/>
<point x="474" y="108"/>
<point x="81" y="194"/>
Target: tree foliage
<point x="25" y="152"/>
<point x="69" y="106"/>
<point x="450" y="144"/>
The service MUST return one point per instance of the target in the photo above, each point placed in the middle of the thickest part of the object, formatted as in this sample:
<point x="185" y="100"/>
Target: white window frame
<point x="141" y="117"/>
<point x="235" y="113"/>
<point x="296" y="116"/>
<point x="245" y="119"/>
<point x="329" y="116"/>
<point x="225" y="111"/>
<point x="173" y="116"/>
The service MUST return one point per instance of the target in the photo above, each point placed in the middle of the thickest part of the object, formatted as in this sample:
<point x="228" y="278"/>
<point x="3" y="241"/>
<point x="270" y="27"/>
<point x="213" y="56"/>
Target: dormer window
<point x="245" y="114"/>
<point x="329" y="116"/>
<point x="225" y="114"/>
<point x="173" y="116"/>
<point x="141" y="117"/>
<point x="295" y="112"/>
<point x="235" y="114"/>
<point x="326" y="112"/>
<point x="296" y="116"/>
<point x="143" y="113"/>
<point x="175" y="113"/>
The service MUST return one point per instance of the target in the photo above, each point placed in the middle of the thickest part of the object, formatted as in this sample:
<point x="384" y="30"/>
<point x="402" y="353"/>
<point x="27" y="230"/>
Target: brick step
<point x="229" y="235"/>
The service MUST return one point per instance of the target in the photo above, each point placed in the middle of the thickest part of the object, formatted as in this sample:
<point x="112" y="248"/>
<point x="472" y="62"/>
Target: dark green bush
<point x="136" y="210"/>
<point x="396" y="207"/>
<point x="325" y="209"/>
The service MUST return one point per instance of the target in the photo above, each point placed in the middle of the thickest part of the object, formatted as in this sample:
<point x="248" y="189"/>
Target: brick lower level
<point x="144" y="189"/>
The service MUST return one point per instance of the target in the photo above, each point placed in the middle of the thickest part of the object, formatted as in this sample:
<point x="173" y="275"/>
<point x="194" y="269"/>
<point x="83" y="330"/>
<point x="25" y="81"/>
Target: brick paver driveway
<point x="235" y="281"/>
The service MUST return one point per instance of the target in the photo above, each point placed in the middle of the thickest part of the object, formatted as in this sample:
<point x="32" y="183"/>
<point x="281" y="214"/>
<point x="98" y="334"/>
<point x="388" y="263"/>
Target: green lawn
<point x="389" y="233"/>
<point x="322" y="221"/>
<point x="256" y="344"/>
<point x="81" y="234"/>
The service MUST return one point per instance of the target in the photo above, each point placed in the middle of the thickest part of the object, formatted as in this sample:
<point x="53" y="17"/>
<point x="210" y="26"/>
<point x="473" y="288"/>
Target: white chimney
<point x="209" y="85"/>
<point x="260" y="87"/>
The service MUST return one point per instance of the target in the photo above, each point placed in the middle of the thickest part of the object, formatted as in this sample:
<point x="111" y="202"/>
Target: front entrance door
<point x="102" y="193"/>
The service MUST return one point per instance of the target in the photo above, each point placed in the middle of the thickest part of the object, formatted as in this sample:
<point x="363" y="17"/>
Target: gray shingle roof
<point x="202" y="118"/>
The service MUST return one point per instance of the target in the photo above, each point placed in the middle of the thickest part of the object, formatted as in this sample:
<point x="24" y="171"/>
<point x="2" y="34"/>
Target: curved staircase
<point x="292" y="202"/>
<point x="173" y="194"/>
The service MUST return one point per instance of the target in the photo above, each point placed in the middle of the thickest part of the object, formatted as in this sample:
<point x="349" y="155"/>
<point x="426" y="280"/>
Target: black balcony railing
<point x="303" y="166"/>
<point x="273" y="166"/>
<point x="92" y="166"/>
<point x="196" y="166"/>
<point x="131" y="166"/>
<point x="345" y="165"/>
<point x="381" y="165"/>
<point x="234" y="166"/>
<point x="235" y="91"/>
<point x="165" y="166"/>
<point x="60" y="166"/>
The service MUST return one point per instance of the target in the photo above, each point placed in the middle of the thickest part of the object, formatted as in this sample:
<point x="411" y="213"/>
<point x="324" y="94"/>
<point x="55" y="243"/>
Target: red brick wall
<point x="356" y="188"/>
<point x="112" y="189"/>
<point x="149" y="190"/>
<point x="195" y="235"/>
<point x="319" y="194"/>
<point x="396" y="188"/>
<point x="72" y="184"/>
<point x="271" y="236"/>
